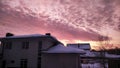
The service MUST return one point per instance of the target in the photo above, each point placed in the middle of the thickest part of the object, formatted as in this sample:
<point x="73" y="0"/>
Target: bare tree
<point x="103" y="42"/>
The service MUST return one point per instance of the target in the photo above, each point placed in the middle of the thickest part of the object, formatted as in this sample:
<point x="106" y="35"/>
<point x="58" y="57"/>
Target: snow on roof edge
<point x="62" y="49"/>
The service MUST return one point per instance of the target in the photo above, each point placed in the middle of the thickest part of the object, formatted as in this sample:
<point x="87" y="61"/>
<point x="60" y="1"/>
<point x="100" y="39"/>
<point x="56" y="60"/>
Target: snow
<point x="28" y="36"/>
<point x="24" y="36"/>
<point x="62" y="49"/>
<point x="89" y="54"/>
<point x="112" y="55"/>
<point x="94" y="65"/>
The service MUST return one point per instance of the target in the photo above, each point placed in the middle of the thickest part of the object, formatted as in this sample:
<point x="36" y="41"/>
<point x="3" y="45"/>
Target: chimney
<point x="9" y="34"/>
<point x="48" y="34"/>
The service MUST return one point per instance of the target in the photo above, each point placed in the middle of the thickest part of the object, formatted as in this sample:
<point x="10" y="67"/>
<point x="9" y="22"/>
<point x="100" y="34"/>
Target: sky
<point x="70" y="21"/>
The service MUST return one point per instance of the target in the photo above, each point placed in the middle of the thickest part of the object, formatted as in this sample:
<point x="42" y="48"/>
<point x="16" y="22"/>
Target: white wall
<point x="60" y="60"/>
<point x="31" y="54"/>
<point x="17" y="53"/>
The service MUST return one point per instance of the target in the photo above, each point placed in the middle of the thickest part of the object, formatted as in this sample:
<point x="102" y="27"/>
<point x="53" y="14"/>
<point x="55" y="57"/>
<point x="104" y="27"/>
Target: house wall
<point x="46" y="43"/>
<point x="0" y="54"/>
<point x="16" y="53"/>
<point x="60" y="61"/>
<point x="0" y="51"/>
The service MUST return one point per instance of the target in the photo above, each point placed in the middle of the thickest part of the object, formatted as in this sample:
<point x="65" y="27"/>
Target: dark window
<point x="12" y="61"/>
<point x="39" y="48"/>
<point x="7" y="45"/>
<point x="3" y="64"/>
<point x="40" y="45"/>
<point x="25" y="45"/>
<point x="39" y="54"/>
<point x="23" y="63"/>
<point x="39" y="62"/>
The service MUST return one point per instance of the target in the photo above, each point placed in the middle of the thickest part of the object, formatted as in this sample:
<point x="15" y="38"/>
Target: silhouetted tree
<point x="102" y="43"/>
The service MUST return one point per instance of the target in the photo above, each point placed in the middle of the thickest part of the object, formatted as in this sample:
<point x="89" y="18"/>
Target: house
<point x="94" y="59"/>
<point x="85" y="58"/>
<point x="113" y="60"/>
<point x="66" y="57"/>
<point x="84" y="46"/>
<point x="37" y="51"/>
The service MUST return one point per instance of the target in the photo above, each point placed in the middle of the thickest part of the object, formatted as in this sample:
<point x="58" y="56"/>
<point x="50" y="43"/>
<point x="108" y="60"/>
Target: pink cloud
<point x="67" y="20"/>
<point x="20" y="23"/>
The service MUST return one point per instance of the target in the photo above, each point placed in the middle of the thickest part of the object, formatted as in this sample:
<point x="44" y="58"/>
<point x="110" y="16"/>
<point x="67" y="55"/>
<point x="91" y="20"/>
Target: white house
<point x="62" y="57"/>
<point x="37" y="51"/>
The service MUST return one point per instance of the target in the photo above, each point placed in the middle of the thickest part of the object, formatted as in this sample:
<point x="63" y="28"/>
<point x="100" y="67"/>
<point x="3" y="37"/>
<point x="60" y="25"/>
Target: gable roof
<point x="62" y="49"/>
<point x="23" y="36"/>
<point x="29" y="36"/>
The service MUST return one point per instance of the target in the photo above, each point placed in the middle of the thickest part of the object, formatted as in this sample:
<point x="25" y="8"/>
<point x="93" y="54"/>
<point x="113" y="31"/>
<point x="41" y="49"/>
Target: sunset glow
<point x="70" y="21"/>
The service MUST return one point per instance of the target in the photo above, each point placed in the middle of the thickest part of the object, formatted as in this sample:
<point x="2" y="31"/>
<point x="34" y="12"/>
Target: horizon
<point x="70" y="21"/>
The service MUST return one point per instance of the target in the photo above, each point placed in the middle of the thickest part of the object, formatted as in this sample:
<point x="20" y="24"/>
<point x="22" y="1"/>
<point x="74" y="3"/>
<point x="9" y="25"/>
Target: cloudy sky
<point x="70" y="21"/>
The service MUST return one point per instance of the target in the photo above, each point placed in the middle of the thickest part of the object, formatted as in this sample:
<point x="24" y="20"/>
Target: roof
<point x="89" y="54"/>
<point x="97" y="54"/>
<point x="80" y="45"/>
<point x="112" y="55"/>
<point x="29" y="36"/>
<point x="25" y="36"/>
<point x="63" y="49"/>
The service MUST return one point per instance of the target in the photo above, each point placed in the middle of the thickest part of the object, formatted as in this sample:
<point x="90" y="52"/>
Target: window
<point x="3" y="64"/>
<point x="40" y="45"/>
<point x="23" y="63"/>
<point x="7" y="45"/>
<point x="25" y="45"/>
<point x="39" y="62"/>
<point x="12" y="61"/>
<point x="0" y="43"/>
<point x="39" y="54"/>
<point x="39" y="48"/>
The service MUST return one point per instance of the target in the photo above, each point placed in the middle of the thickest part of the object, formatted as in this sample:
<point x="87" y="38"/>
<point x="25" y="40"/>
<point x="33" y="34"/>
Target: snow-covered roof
<point x="63" y="49"/>
<point x="89" y="54"/>
<point x="97" y="54"/>
<point x="30" y="36"/>
<point x="25" y="36"/>
<point x="112" y="55"/>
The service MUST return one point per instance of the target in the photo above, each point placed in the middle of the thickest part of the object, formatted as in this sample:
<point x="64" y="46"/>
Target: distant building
<point x="37" y="51"/>
<point x="84" y="46"/>
<point x="94" y="59"/>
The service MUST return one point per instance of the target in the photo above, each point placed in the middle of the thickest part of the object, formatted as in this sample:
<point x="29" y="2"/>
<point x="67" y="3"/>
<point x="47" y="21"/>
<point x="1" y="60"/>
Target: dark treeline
<point x="110" y="51"/>
<point x="114" y="51"/>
